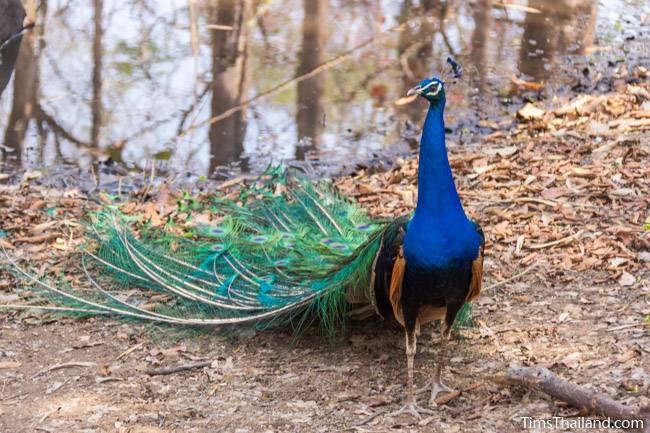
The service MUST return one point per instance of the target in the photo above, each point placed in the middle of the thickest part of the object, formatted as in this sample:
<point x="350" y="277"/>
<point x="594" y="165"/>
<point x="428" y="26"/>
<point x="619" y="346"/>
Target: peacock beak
<point x="414" y="91"/>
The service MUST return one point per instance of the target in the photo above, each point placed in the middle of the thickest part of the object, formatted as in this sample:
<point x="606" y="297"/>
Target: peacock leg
<point x="436" y="385"/>
<point x="445" y="333"/>
<point x="411" y="405"/>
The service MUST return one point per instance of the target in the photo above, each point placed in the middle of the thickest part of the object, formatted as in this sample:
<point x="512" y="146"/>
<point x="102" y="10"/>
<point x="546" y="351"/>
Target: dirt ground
<point x="563" y="196"/>
<point x="261" y="383"/>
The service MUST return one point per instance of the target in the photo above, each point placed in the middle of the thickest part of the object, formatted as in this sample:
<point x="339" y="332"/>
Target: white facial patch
<point x="435" y="92"/>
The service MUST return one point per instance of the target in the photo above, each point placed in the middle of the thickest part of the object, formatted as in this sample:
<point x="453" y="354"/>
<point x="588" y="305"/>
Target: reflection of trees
<point x="310" y="110"/>
<point x="26" y="84"/>
<point x="414" y="50"/>
<point x="229" y="78"/>
<point x="480" y="36"/>
<point x="558" y="28"/>
<point x="585" y="13"/>
<point x="11" y="21"/>
<point x="75" y="109"/>
<point x="96" y="103"/>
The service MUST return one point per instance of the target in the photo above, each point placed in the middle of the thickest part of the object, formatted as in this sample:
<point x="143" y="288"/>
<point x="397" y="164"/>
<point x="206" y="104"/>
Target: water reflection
<point x="558" y="27"/>
<point x="24" y="108"/>
<point x="230" y="77"/>
<point x="310" y="110"/>
<point x="415" y="51"/>
<point x="482" y="15"/>
<point x="11" y="22"/>
<point x="133" y="80"/>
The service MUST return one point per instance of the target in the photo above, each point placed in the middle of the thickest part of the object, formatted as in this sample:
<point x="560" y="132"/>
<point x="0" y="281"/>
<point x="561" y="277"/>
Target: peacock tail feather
<point x="287" y="249"/>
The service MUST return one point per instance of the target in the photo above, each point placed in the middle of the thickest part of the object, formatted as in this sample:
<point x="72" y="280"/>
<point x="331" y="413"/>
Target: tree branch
<point x="544" y="380"/>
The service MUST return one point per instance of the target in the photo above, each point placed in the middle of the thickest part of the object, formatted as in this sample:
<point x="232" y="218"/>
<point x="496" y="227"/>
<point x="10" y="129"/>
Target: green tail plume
<point x="287" y="249"/>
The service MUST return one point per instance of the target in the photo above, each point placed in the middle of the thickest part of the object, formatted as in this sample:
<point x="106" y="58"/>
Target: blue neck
<point x="437" y="196"/>
<point x="439" y="234"/>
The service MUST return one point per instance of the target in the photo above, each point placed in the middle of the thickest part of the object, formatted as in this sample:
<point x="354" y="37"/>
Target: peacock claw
<point x="437" y="388"/>
<point x="414" y="409"/>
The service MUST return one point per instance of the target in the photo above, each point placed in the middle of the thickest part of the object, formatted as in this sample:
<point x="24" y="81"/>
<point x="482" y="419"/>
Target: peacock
<point x="289" y="250"/>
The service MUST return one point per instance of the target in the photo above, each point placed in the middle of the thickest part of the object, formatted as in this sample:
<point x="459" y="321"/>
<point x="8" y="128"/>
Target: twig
<point x="557" y="242"/>
<point x="631" y="325"/>
<point x="129" y="350"/>
<point x="521" y="200"/>
<point x="536" y="200"/>
<point x="50" y="308"/>
<point x="177" y="369"/>
<point x="47" y="415"/>
<point x="234" y="181"/>
<point x="109" y="379"/>
<point x="65" y="365"/>
<point x="544" y="380"/>
<point x="514" y="277"/>
<point x="369" y="418"/>
<point x="38" y="239"/>
<point x="58" y="129"/>
<point x="16" y="35"/>
<point x="189" y="110"/>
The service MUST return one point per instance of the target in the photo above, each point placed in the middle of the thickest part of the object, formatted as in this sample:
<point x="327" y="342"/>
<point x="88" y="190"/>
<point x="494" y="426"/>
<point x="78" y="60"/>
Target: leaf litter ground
<point x="563" y="195"/>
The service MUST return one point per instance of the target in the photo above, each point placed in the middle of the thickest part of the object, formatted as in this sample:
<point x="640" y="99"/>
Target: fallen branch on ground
<point x="544" y="380"/>
<point x="177" y="369"/>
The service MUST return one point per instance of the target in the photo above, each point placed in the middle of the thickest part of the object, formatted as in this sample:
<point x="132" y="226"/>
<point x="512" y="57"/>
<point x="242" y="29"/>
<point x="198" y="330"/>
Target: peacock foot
<point x="437" y="388"/>
<point x="413" y="409"/>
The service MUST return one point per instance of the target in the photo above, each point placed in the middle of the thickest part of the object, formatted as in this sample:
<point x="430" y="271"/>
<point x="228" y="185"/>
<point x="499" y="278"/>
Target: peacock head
<point x="431" y="89"/>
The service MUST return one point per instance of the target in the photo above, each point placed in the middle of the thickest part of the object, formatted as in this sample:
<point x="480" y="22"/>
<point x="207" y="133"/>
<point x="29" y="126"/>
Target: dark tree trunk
<point x="542" y="38"/>
<point x="480" y="38"/>
<point x="310" y="111"/>
<point x="96" y="104"/>
<point x="561" y="27"/>
<point x="414" y="49"/>
<point x="24" y="106"/>
<point x="229" y="78"/>
<point x="11" y="21"/>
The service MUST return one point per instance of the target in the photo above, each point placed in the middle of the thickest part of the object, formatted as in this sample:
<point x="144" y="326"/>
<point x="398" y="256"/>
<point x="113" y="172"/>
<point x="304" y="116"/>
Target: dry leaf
<point x="530" y="112"/>
<point x="626" y="279"/>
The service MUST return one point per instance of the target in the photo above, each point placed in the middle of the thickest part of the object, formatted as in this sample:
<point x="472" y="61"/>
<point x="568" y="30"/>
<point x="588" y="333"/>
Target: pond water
<point x="196" y="86"/>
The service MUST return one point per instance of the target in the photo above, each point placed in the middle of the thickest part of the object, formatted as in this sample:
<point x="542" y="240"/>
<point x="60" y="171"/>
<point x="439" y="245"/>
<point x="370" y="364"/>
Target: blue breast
<point x="440" y="242"/>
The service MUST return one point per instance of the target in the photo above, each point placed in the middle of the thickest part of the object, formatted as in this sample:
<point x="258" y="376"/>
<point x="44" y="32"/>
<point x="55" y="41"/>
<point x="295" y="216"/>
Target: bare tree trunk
<point x="310" y="111"/>
<point x="480" y="38"/>
<point x="40" y="121"/>
<point x="414" y="50"/>
<point x="25" y="92"/>
<point x="561" y="26"/>
<point x="96" y="104"/>
<point x="543" y="37"/>
<point x="11" y="21"/>
<point x="229" y="78"/>
<point x="586" y="12"/>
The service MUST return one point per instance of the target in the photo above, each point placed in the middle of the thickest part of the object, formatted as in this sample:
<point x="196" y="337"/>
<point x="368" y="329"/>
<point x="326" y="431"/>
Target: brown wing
<point x="426" y="314"/>
<point x="395" y="290"/>
<point x="477" y="270"/>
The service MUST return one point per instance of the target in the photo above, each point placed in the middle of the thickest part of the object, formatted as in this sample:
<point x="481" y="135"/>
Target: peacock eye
<point x="217" y="248"/>
<point x="338" y="246"/>
<point x="435" y="92"/>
